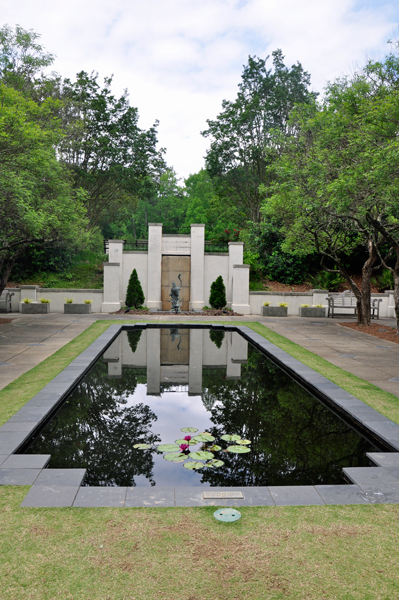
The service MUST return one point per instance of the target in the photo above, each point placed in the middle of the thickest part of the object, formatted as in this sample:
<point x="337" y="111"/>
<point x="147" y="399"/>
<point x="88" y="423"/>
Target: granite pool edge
<point x="55" y="487"/>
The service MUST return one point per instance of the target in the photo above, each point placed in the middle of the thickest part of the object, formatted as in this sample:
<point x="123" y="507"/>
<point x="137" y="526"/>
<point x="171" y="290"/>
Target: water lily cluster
<point x="182" y="452"/>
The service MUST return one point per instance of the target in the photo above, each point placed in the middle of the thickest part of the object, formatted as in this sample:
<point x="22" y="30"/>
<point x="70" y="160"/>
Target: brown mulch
<point x="276" y="286"/>
<point x="389" y="334"/>
<point x="5" y="321"/>
<point x="205" y="313"/>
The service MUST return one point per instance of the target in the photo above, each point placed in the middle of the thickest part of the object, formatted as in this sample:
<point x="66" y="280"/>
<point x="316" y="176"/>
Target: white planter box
<point x="315" y="312"/>
<point x="34" y="308"/>
<point x="77" y="309"/>
<point x="274" y="311"/>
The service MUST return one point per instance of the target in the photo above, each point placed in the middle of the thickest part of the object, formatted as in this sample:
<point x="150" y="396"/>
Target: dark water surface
<point x="147" y="386"/>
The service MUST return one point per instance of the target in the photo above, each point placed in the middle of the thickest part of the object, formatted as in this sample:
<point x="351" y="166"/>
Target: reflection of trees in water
<point x="97" y="431"/>
<point x="295" y="439"/>
<point x="133" y="337"/>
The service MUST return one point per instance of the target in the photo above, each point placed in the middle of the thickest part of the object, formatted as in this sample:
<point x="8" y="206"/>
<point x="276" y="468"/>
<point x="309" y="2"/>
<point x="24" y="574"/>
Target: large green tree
<point x="109" y="156"/>
<point x="337" y="179"/>
<point x="38" y="204"/>
<point x="241" y="147"/>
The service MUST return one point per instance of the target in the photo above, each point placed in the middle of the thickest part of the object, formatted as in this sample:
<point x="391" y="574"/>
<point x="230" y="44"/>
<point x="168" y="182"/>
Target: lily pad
<point x="175" y="457"/>
<point x="243" y="442"/>
<point x="230" y="438"/>
<point x="168" y="448"/>
<point x="142" y="446"/>
<point x="192" y="465"/>
<point x="189" y="442"/>
<point x="215" y="448"/>
<point x="201" y="455"/>
<point x="238" y="449"/>
<point x="216" y="463"/>
<point x="202" y="437"/>
<point x="188" y="429"/>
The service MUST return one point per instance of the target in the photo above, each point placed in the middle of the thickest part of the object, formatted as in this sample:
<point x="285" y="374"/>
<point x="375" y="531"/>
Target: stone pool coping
<point x="62" y="487"/>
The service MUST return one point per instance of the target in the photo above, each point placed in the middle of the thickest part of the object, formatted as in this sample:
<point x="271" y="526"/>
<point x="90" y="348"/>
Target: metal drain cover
<point x="227" y="515"/>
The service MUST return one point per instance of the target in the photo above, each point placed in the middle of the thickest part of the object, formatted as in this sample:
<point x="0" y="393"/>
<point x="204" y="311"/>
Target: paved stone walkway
<point x="29" y="339"/>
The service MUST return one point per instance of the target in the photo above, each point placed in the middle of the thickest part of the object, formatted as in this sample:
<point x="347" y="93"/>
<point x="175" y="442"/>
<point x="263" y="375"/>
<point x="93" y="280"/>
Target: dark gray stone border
<point x="58" y="487"/>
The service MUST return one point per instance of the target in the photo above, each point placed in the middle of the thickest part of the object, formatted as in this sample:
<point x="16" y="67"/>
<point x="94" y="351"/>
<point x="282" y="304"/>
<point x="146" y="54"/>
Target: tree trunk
<point x="396" y="288"/>
<point x="363" y="317"/>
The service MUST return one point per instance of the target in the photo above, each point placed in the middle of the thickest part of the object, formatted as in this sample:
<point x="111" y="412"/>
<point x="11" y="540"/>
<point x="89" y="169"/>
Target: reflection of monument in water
<point x="174" y="357"/>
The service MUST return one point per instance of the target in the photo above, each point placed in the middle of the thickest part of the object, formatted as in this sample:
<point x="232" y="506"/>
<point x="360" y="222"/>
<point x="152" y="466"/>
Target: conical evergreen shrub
<point x="134" y="293"/>
<point x="217" y="297"/>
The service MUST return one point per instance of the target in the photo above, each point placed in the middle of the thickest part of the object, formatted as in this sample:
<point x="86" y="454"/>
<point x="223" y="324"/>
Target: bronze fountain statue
<point x="175" y="296"/>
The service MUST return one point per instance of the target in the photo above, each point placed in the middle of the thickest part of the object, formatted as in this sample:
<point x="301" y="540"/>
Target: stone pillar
<point x="320" y="297"/>
<point x="236" y="254"/>
<point x="153" y="362"/>
<point x="197" y="267"/>
<point x="111" y="296"/>
<point x="195" y="362"/>
<point x="28" y="291"/>
<point x="115" y="255"/>
<point x="391" y="305"/>
<point x="240" y="300"/>
<point x="154" y="266"/>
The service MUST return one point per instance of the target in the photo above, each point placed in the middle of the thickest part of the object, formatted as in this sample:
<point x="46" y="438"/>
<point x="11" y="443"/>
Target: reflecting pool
<point x="150" y="384"/>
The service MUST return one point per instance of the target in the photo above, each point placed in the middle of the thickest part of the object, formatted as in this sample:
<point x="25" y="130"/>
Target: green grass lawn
<point x="272" y="553"/>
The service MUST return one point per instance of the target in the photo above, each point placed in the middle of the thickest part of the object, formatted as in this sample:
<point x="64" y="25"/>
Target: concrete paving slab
<point x="19" y="426"/>
<point x="342" y="494"/>
<point x="136" y="497"/>
<point x="68" y="477"/>
<point x="366" y="477"/>
<point x="95" y="497"/>
<point x="300" y="495"/>
<point x="26" y="461"/>
<point x="51" y="496"/>
<point x="3" y="457"/>
<point x="18" y="476"/>
<point x="384" y="459"/>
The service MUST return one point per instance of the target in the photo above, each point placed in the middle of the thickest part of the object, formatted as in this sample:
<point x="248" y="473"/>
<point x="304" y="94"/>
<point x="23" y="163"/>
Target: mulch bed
<point x="389" y="334"/>
<point x="5" y="321"/>
<point x="205" y="313"/>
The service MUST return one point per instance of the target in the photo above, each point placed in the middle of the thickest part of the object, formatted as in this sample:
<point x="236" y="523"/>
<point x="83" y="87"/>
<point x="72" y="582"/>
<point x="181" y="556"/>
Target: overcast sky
<point x="180" y="58"/>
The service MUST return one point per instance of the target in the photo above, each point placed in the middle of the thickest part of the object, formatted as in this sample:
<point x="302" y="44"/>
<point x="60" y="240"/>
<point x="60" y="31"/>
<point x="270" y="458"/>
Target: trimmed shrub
<point x="134" y="293"/>
<point x="217" y="297"/>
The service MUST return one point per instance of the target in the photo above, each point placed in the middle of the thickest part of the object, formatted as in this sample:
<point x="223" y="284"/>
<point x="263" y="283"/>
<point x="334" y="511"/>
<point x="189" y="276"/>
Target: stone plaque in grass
<point x="274" y="311"/>
<point x="34" y="308"/>
<point x="314" y="312"/>
<point x="77" y="309"/>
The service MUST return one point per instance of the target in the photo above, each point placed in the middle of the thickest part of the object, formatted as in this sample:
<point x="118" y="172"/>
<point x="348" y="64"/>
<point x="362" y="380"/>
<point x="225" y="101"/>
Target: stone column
<point x="115" y="255"/>
<point x="320" y="297"/>
<point x="197" y="267"/>
<point x="195" y="362"/>
<point x="153" y="362"/>
<point x="154" y="266"/>
<point x="28" y="291"/>
<point x="236" y="254"/>
<point x="240" y="300"/>
<point x="111" y="302"/>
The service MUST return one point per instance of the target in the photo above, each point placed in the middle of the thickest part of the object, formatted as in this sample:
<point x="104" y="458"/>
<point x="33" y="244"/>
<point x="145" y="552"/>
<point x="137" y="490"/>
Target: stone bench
<point x="5" y="301"/>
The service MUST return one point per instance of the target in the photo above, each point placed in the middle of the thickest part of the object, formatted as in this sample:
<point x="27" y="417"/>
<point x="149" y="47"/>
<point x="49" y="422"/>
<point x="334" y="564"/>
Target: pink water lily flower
<point x="184" y="447"/>
<point x="188" y="438"/>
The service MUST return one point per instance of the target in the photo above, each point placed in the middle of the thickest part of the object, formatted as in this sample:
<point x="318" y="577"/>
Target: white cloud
<point x="181" y="58"/>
